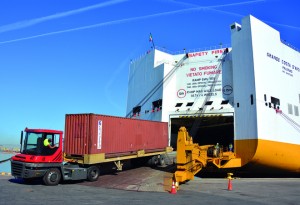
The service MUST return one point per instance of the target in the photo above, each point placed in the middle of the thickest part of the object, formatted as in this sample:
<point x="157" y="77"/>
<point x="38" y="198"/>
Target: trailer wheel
<point x="52" y="177"/>
<point x="162" y="161"/>
<point x="93" y="173"/>
<point x="153" y="161"/>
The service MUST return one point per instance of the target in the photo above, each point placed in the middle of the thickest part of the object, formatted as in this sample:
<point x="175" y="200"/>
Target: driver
<point x="47" y="143"/>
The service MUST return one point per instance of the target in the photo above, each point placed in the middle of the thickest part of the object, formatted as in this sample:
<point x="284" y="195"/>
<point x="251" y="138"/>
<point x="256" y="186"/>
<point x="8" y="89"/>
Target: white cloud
<point x="32" y="22"/>
<point x="126" y="20"/>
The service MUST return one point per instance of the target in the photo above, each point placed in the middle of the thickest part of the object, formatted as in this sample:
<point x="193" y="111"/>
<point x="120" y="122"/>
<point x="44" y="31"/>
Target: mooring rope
<point x="5" y="160"/>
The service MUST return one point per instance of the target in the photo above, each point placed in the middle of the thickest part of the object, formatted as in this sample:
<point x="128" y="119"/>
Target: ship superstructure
<point x="247" y="94"/>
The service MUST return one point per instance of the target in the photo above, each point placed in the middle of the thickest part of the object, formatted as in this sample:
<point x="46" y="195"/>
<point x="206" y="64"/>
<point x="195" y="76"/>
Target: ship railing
<point x="183" y="51"/>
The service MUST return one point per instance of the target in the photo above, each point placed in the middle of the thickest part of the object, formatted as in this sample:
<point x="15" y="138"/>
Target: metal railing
<point x="183" y="51"/>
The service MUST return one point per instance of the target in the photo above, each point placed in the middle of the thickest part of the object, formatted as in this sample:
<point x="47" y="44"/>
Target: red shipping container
<point x="114" y="136"/>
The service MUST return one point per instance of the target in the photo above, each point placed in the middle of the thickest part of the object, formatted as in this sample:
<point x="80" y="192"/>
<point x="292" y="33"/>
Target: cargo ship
<point x="246" y="94"/>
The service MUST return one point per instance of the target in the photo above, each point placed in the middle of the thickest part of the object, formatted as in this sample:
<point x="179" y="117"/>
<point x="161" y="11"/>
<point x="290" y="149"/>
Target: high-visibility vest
<point x="46" y="142"/>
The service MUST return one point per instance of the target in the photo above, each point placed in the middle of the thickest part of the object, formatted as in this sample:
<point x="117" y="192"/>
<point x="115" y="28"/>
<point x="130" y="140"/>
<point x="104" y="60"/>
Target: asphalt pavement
<point x="149" y="189"/>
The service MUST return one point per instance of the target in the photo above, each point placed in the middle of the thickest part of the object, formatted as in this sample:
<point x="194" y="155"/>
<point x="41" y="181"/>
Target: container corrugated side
<point x="94" y="134"/>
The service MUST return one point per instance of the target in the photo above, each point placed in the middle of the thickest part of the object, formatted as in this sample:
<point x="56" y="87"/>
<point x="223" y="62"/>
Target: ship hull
<point x="268" y="156"/>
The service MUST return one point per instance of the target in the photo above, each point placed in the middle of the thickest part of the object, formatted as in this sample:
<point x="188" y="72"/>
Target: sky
<point x="62" y="57"/>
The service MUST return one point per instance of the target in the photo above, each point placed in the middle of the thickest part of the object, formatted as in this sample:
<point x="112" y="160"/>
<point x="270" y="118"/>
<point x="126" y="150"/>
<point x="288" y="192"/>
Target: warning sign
<point x="200" y="76"/>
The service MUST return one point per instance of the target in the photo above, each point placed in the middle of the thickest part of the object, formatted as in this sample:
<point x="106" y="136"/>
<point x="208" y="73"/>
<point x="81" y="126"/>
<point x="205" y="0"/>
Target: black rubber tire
<point x="93" y="173"/>
<point x="161" y="160"/>
<point x="153" y="161"/>
<point x="52" y="177"/>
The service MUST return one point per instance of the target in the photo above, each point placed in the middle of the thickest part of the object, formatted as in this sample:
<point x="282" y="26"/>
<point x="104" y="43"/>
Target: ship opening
<point x="206" y="129"/>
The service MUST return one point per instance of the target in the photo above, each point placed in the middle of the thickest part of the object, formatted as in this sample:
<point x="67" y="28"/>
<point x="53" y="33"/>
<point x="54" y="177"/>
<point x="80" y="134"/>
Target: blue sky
<point x="60" y="57"/>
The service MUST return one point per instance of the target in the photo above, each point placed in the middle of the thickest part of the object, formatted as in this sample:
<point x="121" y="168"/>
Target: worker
<point x="217" y="150"/>
<point x="230" y="147"/>
<point x="47" y="143"/>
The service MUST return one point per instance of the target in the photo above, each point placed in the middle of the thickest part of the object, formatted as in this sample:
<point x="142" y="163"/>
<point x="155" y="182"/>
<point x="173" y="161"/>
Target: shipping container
<point x="87" y="134"/>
